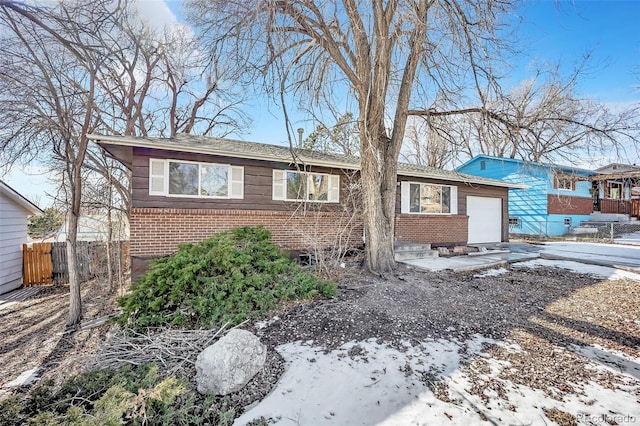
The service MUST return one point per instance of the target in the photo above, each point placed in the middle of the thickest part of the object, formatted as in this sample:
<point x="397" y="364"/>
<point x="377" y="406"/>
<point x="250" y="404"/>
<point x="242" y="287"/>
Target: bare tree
<point x="542" y="119"/>
<point x="385" y="55"/>
<point x="57" y="99"/>
<point x="71" y="69"/>
<point x="429" y="146"/>
<point x="341" y="138"/>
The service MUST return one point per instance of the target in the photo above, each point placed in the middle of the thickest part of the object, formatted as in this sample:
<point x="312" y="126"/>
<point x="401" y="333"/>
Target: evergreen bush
<point x="230" y="277"/>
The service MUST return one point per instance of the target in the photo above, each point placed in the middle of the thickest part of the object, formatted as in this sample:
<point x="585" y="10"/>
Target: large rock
<point x="229" y="364"/>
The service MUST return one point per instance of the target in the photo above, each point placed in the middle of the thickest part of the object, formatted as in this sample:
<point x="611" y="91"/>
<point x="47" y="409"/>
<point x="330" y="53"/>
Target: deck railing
<point x="615" y="206"/>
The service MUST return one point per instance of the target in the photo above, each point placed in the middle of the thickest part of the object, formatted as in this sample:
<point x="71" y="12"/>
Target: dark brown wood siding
<point x="258" y="176"/>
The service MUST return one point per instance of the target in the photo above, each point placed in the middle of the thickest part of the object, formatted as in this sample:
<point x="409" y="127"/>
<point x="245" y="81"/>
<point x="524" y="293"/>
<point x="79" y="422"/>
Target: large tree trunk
<point x="378" y="177"/>
<point x="75" y="301"/>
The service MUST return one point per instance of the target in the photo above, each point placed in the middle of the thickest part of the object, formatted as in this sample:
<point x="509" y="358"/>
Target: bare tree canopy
<point x="72" y="68"/>
<point x="390" y="57"/>
<point x="439" y="60"/>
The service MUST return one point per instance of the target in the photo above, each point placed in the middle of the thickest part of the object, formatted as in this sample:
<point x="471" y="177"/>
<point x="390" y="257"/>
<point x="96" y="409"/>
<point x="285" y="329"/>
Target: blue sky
<point x="550" y="31"/>
<point x="565" y="32"/>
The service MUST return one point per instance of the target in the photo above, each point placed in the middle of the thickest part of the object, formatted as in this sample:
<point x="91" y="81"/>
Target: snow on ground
<point x="420" y="383"/>
<point x="366" y="383"/>
<point x="615" y="361"/>
<point x="491" y="273"/>
<point x="26" y="378"/>
<point x="581" y="268"/>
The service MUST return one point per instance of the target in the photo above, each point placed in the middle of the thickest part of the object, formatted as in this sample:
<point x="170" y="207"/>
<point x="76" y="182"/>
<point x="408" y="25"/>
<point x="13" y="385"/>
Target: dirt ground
<point x="32" y="332"/>
<point x="543" y="310"/>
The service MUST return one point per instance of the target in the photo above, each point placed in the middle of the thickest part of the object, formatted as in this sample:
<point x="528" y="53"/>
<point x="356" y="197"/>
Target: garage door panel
<point x="485" y="219"/>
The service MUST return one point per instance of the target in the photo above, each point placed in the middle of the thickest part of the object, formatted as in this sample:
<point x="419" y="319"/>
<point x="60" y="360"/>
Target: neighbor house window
<point x="564" y="183"/>
<point x="615" y="190"/>
<point x="428" y="198"/>
<point x="190" y="179"/>
<point x="291" y="185"/>
<point x="514" y="221"/>
<point x="567" y="221"/>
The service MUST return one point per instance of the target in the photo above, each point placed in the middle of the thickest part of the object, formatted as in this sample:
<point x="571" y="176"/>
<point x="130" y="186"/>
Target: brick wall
<point x="433" y="229"/>
<point x="157" y="232"/>
<point x="562" y="204"/>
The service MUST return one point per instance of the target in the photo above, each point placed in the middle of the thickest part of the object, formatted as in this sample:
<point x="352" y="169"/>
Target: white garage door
<point x="485" y="219"/>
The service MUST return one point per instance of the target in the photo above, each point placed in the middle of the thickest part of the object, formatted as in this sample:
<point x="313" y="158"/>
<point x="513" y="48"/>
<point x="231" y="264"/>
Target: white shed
<point x="14" y="211"/>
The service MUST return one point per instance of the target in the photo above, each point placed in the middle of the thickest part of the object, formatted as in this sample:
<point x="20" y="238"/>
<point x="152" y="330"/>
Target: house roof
<point x="619" y="166"/>
<point x="564" y="169"/>
<point x="19" y="199"/>
<point x="96" y="228"/>
<point x="259" y="151"/>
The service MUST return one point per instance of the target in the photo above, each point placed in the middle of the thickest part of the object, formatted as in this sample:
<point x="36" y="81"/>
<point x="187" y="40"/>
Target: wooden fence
<point x="46" y="263"/>
<point x="37" y="263"/>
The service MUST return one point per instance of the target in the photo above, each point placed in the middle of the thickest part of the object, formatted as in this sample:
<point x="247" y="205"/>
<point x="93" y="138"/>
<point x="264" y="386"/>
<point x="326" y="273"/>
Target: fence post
<point x="612" y="231"/>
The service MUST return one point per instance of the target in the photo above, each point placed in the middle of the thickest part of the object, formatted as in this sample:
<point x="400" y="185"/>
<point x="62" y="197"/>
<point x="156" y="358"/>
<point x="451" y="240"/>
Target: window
<point x="564" y="183"/>
<point x="614" y="190"/>
<point x="428" y="198"/>
<point x="189" y="179"/>
<point x="567" y="221"/>
<point x="514" y="221"/>
<point x="483" y="165"/>
<point x="292" y="185"/>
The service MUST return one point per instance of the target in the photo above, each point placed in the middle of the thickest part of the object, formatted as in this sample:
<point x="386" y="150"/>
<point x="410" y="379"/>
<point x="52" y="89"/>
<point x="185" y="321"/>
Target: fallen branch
<point x="176" y="350"/>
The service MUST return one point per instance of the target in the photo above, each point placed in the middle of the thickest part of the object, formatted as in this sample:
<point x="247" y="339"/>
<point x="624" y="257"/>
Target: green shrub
<point x="230" y="277"/>
<point x="132" y="395"/>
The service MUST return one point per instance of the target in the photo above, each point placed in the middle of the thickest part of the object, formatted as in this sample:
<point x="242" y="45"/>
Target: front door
<point x="595" y="193"/>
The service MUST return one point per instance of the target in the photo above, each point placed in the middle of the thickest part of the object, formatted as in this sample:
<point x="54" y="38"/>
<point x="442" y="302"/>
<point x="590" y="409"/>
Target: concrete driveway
<point x="613" y="255"/>
<point x="496" y="255"/>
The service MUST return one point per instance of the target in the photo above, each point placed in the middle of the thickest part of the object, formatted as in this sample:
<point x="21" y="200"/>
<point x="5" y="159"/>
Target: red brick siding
<point x="562" y="204"/>
<point x="157" y="232"/>
<point x="433" y="229"/>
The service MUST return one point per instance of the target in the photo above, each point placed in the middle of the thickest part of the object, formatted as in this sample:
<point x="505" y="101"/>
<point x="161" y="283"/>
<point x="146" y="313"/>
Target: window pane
<point x="446" y="199"/>
<point x="414" y="198"/>
<point x="183" y="178"/>
<point x="214" y="181"/>
<point x="296" y="184"/>
<point x="430" y="199"/>
<point x="319" y="187"/>
<point x="564" y="183"/>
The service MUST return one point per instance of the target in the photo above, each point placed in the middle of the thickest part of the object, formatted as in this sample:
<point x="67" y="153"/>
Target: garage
<point x="485" y="219"/>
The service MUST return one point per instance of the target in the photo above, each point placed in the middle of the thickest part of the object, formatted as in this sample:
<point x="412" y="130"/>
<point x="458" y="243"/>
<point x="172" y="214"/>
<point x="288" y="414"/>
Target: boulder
<point x="229" y="364"/>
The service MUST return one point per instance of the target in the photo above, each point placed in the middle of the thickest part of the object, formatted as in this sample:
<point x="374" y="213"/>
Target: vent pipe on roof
<point x="300" y="132"/>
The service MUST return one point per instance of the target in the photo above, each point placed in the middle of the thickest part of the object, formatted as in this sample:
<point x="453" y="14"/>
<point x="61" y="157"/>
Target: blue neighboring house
<point x="558" y="198"/>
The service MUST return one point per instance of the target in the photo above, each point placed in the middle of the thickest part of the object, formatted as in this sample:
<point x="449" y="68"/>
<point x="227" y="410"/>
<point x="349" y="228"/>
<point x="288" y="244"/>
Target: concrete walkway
<point x="610" y="255"/>
<point x="471" y="263"/>
<point x="18" y="295"/>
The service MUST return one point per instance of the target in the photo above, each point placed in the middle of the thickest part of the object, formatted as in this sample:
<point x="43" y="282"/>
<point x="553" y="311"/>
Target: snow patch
<point x="365" y="383"/>
<point x="491" y="273"/>
<point x="26" y="378"/>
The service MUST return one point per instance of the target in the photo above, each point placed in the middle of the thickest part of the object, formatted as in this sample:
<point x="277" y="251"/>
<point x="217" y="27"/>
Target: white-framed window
<point x="426" y="198"/>
<point x="567" y="221"/>
<point x="514" y="221"/>
<point x="292" y="185"/>
<point x="565" y="183"/>
<point x="614" y="190"/>
<point x="178" y="178"/>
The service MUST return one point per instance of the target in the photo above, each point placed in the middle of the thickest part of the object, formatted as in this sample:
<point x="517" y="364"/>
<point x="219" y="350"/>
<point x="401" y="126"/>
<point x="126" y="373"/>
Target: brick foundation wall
<point x="433" y="229"/>
<point x="157" y="232"/>
<point x="562" y="204"/>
